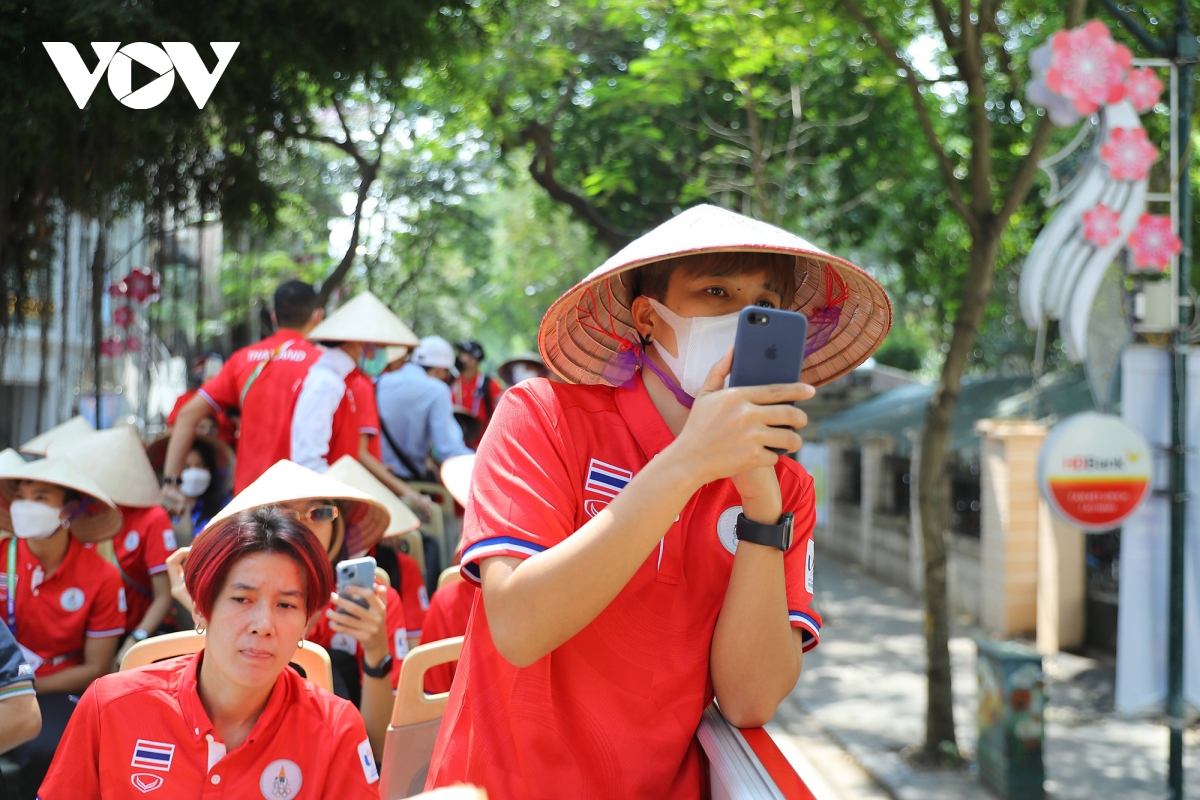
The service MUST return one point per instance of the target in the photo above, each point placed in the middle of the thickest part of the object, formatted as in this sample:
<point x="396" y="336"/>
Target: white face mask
<point x="34" y="520"/>
<point x="194" y="481"/>
<point x="701" y="342"/>
<point x="521" y="372"/>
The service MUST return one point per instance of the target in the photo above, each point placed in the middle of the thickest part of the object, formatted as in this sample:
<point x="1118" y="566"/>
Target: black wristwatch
<point x="169" y="481"/>
<point x="778" y="535"/>
<point x="380" y="671"/>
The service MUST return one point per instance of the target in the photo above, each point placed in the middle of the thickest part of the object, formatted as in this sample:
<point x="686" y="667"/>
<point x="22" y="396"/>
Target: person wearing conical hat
<point x="336" y="414"/>
<point x="258" y="385"/>
<point x="640" y="546"/>
<point x="367" y="645"/>
<point x="522" y="367"/>
<point x="64" y="604"/>
<point x="205" y="482"/>
<point x="117" y="462"/>
<point x="474" y="390"/>
<point x="71" y="429"/>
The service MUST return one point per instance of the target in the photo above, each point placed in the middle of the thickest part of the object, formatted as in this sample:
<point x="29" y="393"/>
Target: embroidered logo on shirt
<point x="423" y="598"/>
<point x="122" y="604"/>
<point x="727" y="528"/>
<point x="605" y="480"/>
<point x="148" y="754"/>
<point x="280" y="780"/>
<point x="400" y="643"/>
<point x="145" y="782"/>
<point x="24" y="670"/>
<point x="344" y="642"/>
<point x="169" y="540"/>
<point x="367" y="761"/>
<point x="72" y="599"/>
<point x="131" y="540"/>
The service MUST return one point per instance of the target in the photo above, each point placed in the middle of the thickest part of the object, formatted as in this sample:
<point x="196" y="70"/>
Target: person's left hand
<point x="367" y="625"/>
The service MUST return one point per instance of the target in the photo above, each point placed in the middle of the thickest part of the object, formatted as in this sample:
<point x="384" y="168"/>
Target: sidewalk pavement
<point x="863" y="687"/>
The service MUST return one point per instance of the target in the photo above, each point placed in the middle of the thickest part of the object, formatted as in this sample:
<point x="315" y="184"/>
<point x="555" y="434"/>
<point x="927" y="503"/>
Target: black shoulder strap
<point x="417" y="474"/>
<point x="486" y="388"/>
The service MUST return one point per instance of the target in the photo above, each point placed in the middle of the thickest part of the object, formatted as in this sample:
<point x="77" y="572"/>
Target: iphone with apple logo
<point x="769" y="347"/>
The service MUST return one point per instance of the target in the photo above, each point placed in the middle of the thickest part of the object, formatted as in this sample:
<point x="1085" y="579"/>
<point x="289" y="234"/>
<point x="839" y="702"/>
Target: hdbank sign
<point x="164" y="61"/>
<point x="1094" y="470"/>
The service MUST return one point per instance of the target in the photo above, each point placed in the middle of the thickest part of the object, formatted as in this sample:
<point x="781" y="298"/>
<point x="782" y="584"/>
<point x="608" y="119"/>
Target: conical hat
<point x="586" y="329"/>
<point x="349" y="471"/>
<point x="221" y="454"/>
<point x="117" y="462"/>
<point x="364" y="319"/>
<point x="456" y="477"/>
<point x="366" y="518"/>
<point x="11" y="459"/>
<point x="68" y="431"/>
<point x="505" y="370"/>
<point x="395" y="353"/>
<point x="98" y="520"/>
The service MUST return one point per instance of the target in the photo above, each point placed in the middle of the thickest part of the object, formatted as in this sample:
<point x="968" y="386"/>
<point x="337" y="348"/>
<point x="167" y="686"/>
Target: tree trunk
<point x="366" y="178"/>
<point x="933" y="496"/>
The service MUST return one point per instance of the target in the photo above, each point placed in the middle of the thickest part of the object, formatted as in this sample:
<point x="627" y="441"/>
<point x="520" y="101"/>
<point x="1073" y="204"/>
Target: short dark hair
<point x="265" y="529"/>
<point x="652" y="280"/>
<point x="295" y="302"/>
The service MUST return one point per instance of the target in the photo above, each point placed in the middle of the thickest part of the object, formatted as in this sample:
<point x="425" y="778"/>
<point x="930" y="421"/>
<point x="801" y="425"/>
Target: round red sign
<point x="1094" y="470"/>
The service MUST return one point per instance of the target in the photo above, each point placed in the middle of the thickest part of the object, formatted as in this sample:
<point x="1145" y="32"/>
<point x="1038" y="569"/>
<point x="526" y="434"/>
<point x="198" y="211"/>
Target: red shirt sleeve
<point x="352" y="772"/>
<point x="397" y="633"/>
<point x="413" y="593"/>
<point x="106" y="616"/>
<point x="522" y="498"/>
<point x="160" y="540"/>
<point x="223" y="390"/>
<point x="368" y="408"/>
<point x="798" y="563"/>
<point x="75" y="770"/>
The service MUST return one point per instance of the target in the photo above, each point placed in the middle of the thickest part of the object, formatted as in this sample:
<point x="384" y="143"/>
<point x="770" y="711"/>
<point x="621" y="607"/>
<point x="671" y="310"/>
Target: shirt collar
<point x="647" y="425"/>
<point x="196" y="718"/>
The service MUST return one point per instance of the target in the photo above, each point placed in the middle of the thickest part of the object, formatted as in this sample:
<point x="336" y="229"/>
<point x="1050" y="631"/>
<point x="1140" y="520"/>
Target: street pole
<point x="1184" y="56"/>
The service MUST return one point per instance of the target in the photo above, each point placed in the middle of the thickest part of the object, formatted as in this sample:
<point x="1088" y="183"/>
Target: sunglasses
<point x="325" y="513"/>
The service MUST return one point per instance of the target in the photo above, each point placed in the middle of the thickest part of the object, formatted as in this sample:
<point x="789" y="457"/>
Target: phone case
<point x="771" y="351"/>
<point x="355" y="572"/>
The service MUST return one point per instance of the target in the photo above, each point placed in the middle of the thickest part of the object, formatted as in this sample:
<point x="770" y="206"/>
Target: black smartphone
<point x="355" y="572"/>
<point x="769" y="348"/>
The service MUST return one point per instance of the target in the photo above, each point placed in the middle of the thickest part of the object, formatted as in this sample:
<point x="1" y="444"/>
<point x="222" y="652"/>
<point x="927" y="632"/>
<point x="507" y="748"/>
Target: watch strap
<point x="380" y="671"/>
<point x="778" y="535"/>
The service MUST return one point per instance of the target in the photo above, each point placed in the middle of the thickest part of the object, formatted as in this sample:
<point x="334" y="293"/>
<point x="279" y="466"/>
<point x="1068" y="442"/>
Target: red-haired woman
<point x="231" y="715"/>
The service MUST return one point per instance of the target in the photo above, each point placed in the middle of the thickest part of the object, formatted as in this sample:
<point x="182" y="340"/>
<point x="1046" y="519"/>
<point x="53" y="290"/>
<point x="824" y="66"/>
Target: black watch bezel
<point x="778" y="535"/>
<point x="380" y="671"/>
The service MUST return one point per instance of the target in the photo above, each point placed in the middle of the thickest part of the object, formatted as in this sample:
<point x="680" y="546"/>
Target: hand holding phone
<point x="769" y="348"/>
<point x="355" y="572"/>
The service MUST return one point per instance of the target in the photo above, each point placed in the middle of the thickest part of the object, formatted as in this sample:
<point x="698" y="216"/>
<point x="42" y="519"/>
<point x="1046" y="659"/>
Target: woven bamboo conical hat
<point x="349" y="471"/>
<point x="456" y="477"/>
<point x="365" y="518"/>
<point x="221" y="454"/>
<point x="364" y="319"/>
<point x="68" y="431"/>
<point x="116" y="460"/>
<point x="505" y="370"/>
<point x="97" y="520"/>
<point x="585" y="331"/>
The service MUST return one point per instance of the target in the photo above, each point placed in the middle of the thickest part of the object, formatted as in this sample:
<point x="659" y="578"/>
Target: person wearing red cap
<point x="232" y="719"/>
<point x="640" y="545"/>
<point x="260" y="383"/>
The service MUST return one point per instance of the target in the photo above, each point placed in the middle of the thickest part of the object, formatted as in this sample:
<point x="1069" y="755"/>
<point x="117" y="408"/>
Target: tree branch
<point x="946" y="25"/>
<point x="1144" y="37"/>
<point x="953" y="185"/>
<point x="978" y="122"/>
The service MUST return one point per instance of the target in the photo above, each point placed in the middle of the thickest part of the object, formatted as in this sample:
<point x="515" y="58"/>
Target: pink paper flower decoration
<point x="1154" y="243"/>
<point x="122" y="317"/>
<point x="1088" y="67"/>
<point x="112" y="347"/>
<point x="1128" y="154"/>
<point x="1101" y="225"/>
<point x="1143" y="88"/>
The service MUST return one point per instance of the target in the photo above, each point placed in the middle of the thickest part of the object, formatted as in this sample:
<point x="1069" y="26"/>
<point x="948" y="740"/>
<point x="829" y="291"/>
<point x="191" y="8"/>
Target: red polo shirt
<point x="137" y="731"/>
<point x="142" y="548"/>
<point x="413" y="593"/>
<point x="267" y="409"/>
<point x="397" y="635"/>
<point x="469" y="394"/>
<point x="363" y="389"/>
<point x="612" y="712"/>
<point x="226" y="430"/>
<point x="449" y="611"/>
<point x="83" y="598"/>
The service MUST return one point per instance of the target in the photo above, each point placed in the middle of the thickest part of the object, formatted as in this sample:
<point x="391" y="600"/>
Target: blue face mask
<point x="374" y="361"/>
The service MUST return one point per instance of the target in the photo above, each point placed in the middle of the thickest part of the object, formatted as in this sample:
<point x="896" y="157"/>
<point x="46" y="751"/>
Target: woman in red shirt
<point x="216" y="717"/>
